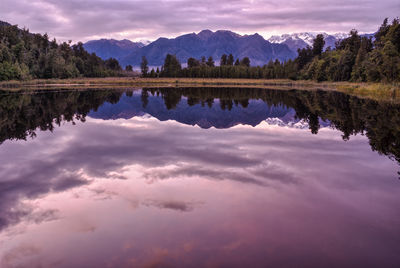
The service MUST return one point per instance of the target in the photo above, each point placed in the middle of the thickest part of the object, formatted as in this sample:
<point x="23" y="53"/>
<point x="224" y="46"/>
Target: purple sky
<point x="82" y="20"/>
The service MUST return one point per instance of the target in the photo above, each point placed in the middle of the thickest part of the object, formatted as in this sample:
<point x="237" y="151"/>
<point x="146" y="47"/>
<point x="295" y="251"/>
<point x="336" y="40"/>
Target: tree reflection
<point x="379" y="121"/>
<point x="144" y="98"/>
<point x="22" y="114"/>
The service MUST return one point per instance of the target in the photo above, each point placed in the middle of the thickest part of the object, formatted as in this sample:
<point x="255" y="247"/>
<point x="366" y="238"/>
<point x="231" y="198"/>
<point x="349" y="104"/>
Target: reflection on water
<point x="22" y="115"/>
<point x="249" y="185"/>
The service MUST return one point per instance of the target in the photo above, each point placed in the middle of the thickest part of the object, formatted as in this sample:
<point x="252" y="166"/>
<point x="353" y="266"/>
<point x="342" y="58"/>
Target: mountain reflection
<point x="21" y="115"/>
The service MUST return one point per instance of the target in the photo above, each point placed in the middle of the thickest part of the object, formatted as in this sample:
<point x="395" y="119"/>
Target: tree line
<point x="24" y="55"/>
<point x="356" y="58"/>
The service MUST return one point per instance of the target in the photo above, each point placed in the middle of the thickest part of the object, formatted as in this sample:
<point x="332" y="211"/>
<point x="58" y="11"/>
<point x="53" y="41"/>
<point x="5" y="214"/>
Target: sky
<point x="82" y="20"/>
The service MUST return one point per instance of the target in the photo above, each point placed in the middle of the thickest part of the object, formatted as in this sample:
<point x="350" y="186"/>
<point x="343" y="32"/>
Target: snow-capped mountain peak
<point x="341" y="36"/>
<point x="145" y="42"/>
<point x="301" y="40"/>
<point x="307" y="37"/>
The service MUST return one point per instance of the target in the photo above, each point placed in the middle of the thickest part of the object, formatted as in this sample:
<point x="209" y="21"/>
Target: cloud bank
<point x="91" y="19"/>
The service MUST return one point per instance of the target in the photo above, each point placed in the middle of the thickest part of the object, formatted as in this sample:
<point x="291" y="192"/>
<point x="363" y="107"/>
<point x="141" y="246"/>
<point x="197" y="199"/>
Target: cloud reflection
<point x="105" y="149"/>
<point x="129" y="166"/>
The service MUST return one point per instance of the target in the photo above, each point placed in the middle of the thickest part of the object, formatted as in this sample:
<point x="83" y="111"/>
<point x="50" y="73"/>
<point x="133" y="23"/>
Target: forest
<point x="356" y="58"/>
<point x="24" y="55"/>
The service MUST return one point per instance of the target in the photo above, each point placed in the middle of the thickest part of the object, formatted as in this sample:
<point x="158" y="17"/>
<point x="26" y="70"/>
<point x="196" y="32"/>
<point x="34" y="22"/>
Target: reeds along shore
<point x="377" y="91"/>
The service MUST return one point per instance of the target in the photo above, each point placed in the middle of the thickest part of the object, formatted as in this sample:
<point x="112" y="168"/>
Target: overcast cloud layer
<point x="81" y="20"/>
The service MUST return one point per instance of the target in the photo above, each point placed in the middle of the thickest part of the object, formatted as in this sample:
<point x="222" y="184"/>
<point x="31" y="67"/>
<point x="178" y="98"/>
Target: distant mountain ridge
<point x="111" y="48"/>
<point x="205" y="43"/>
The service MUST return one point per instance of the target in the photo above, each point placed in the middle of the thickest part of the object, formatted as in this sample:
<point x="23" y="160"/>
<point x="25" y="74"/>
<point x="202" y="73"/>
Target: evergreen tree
<point x="144" y="66"/>
<point x="393" y="34"/>
<point x="192" y="62"/>
<point x="224" y="60"/>
<point x="152" y="73"/>
<point x="245" y="62"/>
<point x="210" y="62"/>
<point x="390" y="68"/>
<point x="358" y="73"/>
<point x="230" y="60"/>
<point x="203" y="60"/>
<point x="171" y="67"/>
<point x="372" y="66"/>
<point x="305" y="55"/>
<point x="113" y="64"/>
<point x="381" y="33"/>
<point x="318" y="45"/>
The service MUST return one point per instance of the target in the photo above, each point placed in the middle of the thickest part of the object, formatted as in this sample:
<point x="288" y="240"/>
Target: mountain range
<point x="208" y="43"/>
<point x="205" y="43"/>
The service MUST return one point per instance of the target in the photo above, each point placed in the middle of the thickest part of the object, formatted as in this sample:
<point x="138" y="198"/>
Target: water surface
<point x="198" y="177"/>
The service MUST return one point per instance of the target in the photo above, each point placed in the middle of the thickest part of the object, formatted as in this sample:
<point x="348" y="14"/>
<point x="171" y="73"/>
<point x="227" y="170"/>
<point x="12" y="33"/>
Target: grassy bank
<point x="377" y="91"/>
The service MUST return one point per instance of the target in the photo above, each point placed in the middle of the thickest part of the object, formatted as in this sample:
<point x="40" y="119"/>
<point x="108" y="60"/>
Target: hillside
<point x="110" y="48"/>
<point x="25" y="55"/>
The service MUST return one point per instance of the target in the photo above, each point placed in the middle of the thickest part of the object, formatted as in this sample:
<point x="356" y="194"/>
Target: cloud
<point x="90" y="19"/>
<point x="18" y="253"/>
<point x="171" y="204"/>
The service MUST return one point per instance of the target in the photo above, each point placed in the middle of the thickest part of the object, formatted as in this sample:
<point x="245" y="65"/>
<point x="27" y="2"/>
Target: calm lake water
<point x="198" y="177"/>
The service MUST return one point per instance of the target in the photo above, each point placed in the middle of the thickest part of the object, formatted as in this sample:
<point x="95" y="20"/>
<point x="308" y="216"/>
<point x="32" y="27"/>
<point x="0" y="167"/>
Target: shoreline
<point x="376" y="91"/>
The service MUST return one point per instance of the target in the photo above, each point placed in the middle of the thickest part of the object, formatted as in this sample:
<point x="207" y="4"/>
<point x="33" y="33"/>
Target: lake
<point x="198" y="177"/>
